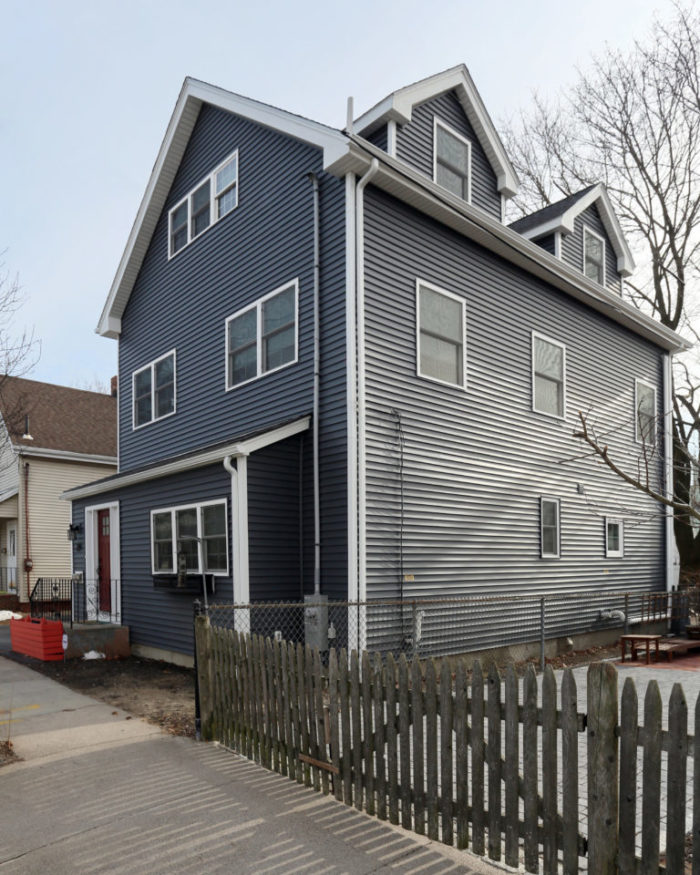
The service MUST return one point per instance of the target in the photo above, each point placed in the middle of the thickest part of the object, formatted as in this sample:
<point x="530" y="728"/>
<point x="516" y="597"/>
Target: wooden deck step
<point x="678" y="645"/>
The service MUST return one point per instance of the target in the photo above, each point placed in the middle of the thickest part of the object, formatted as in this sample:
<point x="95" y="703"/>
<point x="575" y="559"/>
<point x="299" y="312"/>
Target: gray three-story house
<point x="340" y="369"/>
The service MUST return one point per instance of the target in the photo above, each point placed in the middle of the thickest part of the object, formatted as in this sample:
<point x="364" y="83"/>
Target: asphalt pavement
<point x="101" y="791"/>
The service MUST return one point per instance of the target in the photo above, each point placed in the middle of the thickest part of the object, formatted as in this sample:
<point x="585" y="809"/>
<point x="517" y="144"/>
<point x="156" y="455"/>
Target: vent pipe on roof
<point x="350" y="122"/>
<point x="26" y="436"/>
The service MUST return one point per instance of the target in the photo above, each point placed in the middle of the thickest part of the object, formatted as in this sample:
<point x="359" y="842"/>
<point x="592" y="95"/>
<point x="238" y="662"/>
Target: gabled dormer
<point x="583" y="231"/>
<point x="440" y="127"/>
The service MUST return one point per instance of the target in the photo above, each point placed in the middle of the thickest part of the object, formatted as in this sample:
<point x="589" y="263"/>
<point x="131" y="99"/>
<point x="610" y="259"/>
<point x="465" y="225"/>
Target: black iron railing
<point x="71" y="600"/>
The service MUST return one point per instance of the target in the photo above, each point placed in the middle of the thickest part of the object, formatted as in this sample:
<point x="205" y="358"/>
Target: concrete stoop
<point x="106" y="638"/>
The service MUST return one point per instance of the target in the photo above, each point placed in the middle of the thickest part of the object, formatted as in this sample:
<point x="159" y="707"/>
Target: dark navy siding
<point x="546" y="242"/>
<point x="572" y="246"/>
<point x="380" y="137"/>
<point x="414" y="145"/>
<point x="183" y="304"/>
<point x="477" y="461"/>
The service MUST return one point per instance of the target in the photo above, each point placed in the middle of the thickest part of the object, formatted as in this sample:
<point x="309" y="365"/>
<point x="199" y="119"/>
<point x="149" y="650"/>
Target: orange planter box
<point x="42" y="639"/>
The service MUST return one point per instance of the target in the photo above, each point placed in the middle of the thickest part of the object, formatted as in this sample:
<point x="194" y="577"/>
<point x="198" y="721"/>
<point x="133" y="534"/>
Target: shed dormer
<point x="584" y="231"/>
<point x="440" y="127"/>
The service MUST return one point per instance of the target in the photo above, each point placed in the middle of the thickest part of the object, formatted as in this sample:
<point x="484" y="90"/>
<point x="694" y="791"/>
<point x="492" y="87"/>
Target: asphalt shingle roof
<point x="60" y="418"/>
<point x="546" y="214"/>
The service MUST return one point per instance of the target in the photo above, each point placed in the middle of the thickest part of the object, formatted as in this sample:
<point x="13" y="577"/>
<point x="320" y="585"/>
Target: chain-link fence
<point x="445" y="626"/>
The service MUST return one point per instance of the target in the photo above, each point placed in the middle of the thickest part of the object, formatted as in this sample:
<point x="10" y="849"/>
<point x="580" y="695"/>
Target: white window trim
<point x="172" y="511"/>
<point x="450" y="130"/>
<point x="537" y="336"/>
<point x="557" y="502"/>
<point x="615" y="554"/>
<point x="258" y="305"/>
<point x="213" y="218"/>
<point x="637" y="437"/>
<point x="152" y="365"/>
<point x="424" y="284"/>
<point x="587" y="230"/>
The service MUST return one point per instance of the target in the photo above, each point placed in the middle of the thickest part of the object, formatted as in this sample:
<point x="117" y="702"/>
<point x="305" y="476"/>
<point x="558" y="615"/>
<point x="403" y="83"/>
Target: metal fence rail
<point x="447" y="626"/>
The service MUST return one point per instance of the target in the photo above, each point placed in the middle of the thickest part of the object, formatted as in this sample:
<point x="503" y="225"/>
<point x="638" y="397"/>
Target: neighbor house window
<point x="549" y="528"/>
<point x="452" y="160"/>
<point x="441" y="340"/>
<point x="593" y="256"/>
<point x="210" y="200"/>
<point x="645" y="413"/>
<point x="614" y="539"/>
<point x="262" y="337"/>
<point x="548" y="376"/>
<point x="154" y="390"/>
<point x="196" y="531"/>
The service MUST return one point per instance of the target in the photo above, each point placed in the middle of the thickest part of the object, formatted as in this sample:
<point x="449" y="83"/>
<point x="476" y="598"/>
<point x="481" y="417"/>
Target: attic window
<point x="452" y="160"/>
<point x="594" y="256"/>
<point x="210" y="200"/>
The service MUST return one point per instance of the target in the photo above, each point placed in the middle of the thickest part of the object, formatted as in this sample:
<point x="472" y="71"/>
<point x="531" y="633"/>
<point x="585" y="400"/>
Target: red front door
<point x="103" y="565"/>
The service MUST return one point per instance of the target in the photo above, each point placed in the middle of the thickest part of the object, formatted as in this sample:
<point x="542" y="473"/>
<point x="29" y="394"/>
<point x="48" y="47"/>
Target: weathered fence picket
<point x="396" y="740"/>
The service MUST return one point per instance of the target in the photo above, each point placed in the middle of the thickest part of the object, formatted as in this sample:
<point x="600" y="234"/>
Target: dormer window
<point x="209" y="201"/>
<point x="594" y="256"/>
<point x="452" y="160"/>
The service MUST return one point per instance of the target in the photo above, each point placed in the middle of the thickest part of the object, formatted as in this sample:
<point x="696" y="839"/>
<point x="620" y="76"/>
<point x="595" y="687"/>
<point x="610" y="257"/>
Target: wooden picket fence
<point x="454" y="755"/>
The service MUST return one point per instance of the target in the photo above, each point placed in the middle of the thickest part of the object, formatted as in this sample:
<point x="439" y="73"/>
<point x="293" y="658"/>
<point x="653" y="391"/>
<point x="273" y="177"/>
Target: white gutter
<point x="351" y="379"/>
<point x="361" y="383"/>
<point x="671" y="550"/>
<point x="64" y="455"/>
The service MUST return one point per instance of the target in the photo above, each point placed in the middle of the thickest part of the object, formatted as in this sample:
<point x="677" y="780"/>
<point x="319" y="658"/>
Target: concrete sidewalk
<point x="98" y="792"/>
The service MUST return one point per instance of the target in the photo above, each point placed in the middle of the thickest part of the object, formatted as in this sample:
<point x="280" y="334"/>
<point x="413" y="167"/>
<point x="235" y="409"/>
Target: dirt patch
<point x="157" y="691"/>
<point x="7" y="753"/>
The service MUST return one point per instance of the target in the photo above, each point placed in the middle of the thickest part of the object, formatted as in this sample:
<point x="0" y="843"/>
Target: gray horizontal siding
<point x="546" y="242"/>
<point x="380" y="137"/>
<point x="477" y="462"/>
<point x="414" y="145"/>
<point x="572" y="246"/>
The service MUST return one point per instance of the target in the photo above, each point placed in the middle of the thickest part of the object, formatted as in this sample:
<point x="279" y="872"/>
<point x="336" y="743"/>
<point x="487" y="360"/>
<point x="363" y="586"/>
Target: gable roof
<point x="561" y="215"/>
<point x="60" y="418"/>
<point x="192" y="95"/>
<point x="398" y="107"/>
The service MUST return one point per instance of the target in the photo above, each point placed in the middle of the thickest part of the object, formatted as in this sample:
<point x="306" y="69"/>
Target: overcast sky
<point x="88" y="89"/>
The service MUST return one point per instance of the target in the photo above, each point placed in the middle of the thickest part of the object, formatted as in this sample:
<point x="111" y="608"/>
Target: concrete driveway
<point x="99" y="791"/>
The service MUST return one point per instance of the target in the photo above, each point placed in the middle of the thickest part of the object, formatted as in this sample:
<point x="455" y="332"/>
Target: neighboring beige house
<point x="52" y="438"/>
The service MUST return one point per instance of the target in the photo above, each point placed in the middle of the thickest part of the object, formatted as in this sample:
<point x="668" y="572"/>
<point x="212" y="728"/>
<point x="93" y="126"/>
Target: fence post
<point x="542" y="609"/>
<point x="603" y="794"/>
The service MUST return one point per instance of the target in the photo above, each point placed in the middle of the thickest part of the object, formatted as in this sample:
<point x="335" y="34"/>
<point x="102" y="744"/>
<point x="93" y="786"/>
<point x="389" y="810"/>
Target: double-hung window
<point x="645" y="413"/>
<point x="593" y="256"/>
<point x="210" y="200"/>
<point x="263" y="337"/>
<point x="614" y="538"/>
<point x="452" y="160"/>
<point x="441" y="335"/>
<point x="197" y="533"/>
<point x="549" y="528"/>
<point x="548" y="376"/>
<point x="154" y="390"/>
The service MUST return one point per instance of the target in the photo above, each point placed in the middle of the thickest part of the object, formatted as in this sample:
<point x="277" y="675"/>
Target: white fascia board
<point x="398" y="107"/>
<point x="66" y="455"/>
<point x="176" y="466"/>
<point x="192" y="95"/>
<point x="419" y="191"/>
<point x="565" y="224"/>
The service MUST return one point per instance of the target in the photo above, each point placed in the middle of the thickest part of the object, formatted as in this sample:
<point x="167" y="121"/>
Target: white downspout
<point x="671" y="565"/>
<point x="317" y="391"/>
<point x="239" y="535"/>
<point x="361" y="382"/>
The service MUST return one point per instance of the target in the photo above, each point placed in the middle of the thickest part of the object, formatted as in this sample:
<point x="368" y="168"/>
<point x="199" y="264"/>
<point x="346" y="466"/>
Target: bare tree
<point x="633" y="122"/>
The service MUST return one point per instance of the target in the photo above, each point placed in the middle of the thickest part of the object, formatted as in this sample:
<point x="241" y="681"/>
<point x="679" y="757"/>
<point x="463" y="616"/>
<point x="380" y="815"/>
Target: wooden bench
<point x="639" y="642"/>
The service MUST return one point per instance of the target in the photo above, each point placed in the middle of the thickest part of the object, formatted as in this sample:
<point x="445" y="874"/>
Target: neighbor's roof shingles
<point x="60" y="418"/>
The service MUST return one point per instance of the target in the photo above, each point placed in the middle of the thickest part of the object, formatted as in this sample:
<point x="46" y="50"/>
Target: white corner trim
<point x="391" y="138"/>
<point x="671" y="549"/>
<point x="351" y="380"/>
<point x="187" y="463"/>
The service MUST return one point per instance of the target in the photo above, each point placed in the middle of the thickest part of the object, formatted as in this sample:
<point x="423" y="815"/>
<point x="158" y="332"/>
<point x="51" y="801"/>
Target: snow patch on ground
<point x="93" y="654"/>
<point x="9" y="615"/>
